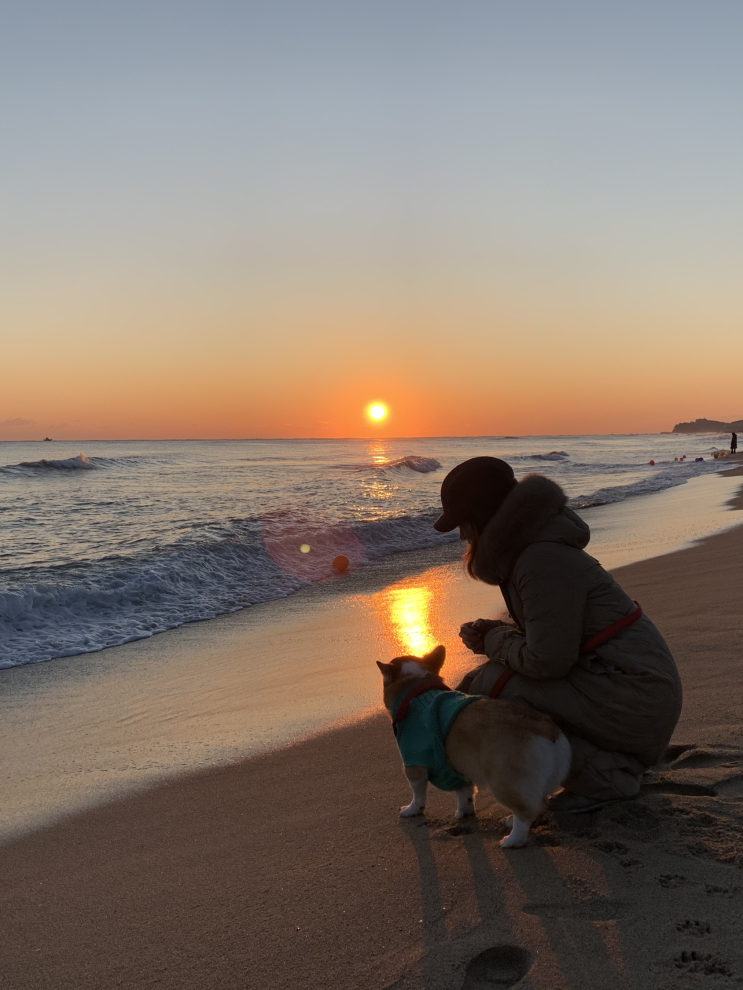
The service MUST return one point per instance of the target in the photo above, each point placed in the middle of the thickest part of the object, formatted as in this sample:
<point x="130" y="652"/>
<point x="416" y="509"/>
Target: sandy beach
<point x="290" y="868"/>
<point x="310" y="313"/>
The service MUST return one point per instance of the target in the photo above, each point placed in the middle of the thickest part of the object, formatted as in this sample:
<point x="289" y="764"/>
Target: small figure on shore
<point x="576" y="648"/>
<point x="734" y="443"/>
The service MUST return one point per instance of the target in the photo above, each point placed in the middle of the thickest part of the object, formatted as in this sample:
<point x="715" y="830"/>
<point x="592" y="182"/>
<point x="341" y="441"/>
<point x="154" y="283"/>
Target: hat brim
<point x="445" y="524"/>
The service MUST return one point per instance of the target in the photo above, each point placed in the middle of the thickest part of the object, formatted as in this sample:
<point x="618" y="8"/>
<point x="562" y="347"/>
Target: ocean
<point x="109" y="542"/>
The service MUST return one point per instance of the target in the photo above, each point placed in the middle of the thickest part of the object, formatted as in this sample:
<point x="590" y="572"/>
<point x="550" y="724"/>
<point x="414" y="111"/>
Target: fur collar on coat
<point x="527" y="511"/>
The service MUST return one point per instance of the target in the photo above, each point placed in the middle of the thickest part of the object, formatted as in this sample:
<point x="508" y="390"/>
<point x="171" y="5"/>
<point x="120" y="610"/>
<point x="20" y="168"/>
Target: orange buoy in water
<point x="340" y="563"/>
<point x="651" y="462"/>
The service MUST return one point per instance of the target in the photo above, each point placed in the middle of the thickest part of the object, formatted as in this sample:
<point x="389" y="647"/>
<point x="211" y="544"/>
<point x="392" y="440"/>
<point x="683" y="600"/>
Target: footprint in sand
<point x="501" y="966"/>
<point x="608" y="846"/>
<point x="693" y="927"/>
<point x="618" y="851"/>
<point x="713" y="890"/>
<point x="702" y="962"/>
<point x="698" y="771"/>
<point x="732" y="787"/>
<point x="672" y="880"/>
<point x="694" y="757"/>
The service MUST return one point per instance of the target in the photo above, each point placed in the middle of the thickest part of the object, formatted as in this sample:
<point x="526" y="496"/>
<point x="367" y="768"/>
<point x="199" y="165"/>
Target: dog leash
<point x="611" y="631"/>
<point x="588" y="647"/>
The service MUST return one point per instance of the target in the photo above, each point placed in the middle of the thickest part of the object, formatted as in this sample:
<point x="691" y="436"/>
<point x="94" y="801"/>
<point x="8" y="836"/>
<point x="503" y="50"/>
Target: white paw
<point x="512" y="843"/>
<point x="410" y="810"/>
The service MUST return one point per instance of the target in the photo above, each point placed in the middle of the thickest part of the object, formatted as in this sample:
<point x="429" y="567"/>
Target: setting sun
<point x="377" y="411"/>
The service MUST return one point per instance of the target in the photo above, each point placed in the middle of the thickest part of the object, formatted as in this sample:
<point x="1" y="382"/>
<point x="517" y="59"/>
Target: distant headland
<point x="708" y="426"/>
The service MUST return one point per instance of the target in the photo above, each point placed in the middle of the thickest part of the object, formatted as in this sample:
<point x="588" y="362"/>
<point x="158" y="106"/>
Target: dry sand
<point x="292" y="870"/>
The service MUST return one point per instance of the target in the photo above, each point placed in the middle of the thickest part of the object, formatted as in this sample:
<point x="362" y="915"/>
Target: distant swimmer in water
<point x="734" y="443"/>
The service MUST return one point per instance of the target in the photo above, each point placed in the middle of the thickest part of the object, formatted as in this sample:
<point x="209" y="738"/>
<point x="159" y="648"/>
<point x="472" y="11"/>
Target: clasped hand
<point x="473" y="634"/>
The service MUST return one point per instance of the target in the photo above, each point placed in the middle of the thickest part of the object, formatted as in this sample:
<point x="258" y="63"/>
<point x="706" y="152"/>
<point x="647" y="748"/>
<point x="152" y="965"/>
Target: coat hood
<point x="535" y="511"/>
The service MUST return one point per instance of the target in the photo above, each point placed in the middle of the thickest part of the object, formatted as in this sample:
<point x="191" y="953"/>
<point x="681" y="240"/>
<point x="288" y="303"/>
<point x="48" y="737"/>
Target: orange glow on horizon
<point x="185" y="390"/>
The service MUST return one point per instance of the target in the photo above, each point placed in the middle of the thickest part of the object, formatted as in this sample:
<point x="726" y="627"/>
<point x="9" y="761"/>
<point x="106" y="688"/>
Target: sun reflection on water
<point x="379" y="452"/>
<point x="378" y="489"/>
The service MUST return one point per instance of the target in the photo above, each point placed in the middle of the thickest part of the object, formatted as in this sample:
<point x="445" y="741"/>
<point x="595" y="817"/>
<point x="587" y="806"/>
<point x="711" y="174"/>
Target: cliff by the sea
<point x="708" y="426"/>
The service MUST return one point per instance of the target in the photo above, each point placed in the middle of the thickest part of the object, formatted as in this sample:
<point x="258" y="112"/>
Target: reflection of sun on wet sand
<point x="408" y="610"/>
<point x="417" y="614"/>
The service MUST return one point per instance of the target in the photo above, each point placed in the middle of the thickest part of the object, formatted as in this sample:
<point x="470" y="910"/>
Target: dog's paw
<point x="461" y="813"/>
<point x="511" y="842"/>
<point x="411" y="810"/>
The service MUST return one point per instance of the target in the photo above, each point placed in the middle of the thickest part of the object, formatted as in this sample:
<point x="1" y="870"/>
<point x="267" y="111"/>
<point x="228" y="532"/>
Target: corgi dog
<point x="458" y="741"/>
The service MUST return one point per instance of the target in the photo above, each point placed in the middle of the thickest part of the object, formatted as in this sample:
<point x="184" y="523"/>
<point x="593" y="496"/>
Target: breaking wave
<point x="79" y="463"/>
<point x="553" y="455"/>
<point x="64" y="611"/>
<point x="413" y="462"/>
<point x="670" y="476"/>
<point x="423" y="465"/>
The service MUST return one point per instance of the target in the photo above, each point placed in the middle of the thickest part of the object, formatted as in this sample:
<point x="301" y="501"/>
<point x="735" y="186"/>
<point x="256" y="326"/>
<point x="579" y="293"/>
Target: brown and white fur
<point x="516" y="751"/>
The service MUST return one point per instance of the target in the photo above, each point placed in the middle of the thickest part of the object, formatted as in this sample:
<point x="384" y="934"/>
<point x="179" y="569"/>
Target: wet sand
<point x="292" y="869"/>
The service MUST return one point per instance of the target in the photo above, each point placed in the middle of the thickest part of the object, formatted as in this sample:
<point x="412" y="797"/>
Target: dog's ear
<point x="388" y="671"/>
<point x="435" y="659"/>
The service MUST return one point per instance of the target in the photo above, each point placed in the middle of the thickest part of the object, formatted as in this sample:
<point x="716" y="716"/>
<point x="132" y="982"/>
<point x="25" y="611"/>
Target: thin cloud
<point x="18" y="422"/>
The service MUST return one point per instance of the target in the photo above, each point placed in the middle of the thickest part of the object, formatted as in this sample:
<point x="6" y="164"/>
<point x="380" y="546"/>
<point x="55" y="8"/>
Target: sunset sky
<point x="239" y="219"/>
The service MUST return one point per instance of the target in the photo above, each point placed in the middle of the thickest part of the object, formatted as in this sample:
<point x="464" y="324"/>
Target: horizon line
<point x="450" y="436"/>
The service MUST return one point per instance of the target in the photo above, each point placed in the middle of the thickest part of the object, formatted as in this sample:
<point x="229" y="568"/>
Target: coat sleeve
<point x="553" y="593"/>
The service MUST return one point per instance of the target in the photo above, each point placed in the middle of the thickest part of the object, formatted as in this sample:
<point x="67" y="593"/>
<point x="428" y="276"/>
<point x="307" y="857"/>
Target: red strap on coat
<point x="611" y="631"/>
<point x="504" y="678"/>
<point x="402" y="711"/>
<point x="588" y="647"/>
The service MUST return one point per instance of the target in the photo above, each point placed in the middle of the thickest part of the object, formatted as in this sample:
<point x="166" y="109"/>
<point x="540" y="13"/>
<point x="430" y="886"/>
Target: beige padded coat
<point x="619" y="704"/>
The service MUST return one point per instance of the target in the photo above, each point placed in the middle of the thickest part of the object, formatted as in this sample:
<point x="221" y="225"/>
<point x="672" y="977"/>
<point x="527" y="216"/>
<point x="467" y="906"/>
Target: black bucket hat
<point x="474" y="489"/>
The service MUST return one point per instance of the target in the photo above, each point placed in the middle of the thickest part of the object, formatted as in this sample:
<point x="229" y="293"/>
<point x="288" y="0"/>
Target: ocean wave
<point x="671" y="475"/>
<point x="553" y="455"/>
<point x="79" y="463"/>
<point x="413" y="462"/>
<point x="211" y="566"/>
<point x="423" y="465"/>
<point x="63" y="612"/>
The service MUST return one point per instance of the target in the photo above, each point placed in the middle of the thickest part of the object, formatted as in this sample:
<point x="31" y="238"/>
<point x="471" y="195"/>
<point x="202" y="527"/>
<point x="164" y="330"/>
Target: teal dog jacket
<point x="422" y="732"/>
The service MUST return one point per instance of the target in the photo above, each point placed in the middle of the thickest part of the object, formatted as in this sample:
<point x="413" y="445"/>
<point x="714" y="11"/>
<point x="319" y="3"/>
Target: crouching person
<point x="577" y="647"/>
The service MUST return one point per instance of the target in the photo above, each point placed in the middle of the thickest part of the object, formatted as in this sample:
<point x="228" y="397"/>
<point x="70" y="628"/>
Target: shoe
<point x="577" y="804"/>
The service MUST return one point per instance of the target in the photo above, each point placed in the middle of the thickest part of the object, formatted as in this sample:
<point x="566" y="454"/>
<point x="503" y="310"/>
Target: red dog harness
<point x="588" y="647"/>
<point x="428" y="685"/>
